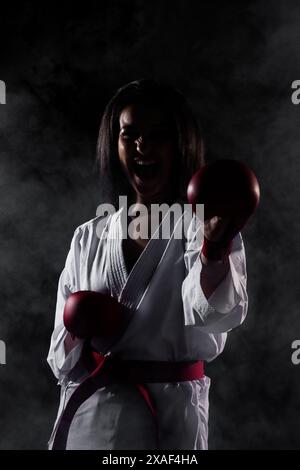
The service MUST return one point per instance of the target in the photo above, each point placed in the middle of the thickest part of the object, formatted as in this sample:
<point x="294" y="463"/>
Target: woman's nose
<point x="141" y="146"/>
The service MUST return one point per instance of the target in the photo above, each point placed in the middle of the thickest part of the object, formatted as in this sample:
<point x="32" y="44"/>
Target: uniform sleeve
<point x="227" y="307"/>
<point x="69" y="282"/>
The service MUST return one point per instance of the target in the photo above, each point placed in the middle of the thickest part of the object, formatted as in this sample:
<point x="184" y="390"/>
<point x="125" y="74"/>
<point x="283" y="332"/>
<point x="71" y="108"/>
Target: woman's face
<point x="147" y="152"/>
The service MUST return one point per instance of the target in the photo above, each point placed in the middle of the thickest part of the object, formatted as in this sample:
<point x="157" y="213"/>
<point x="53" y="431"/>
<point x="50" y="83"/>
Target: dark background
<point x="61" y="63"/>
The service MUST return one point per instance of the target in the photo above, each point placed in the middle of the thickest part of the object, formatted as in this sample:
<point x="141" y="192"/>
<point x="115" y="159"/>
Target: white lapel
<point x="130" y="289"/>
<point x="116" y="268"/>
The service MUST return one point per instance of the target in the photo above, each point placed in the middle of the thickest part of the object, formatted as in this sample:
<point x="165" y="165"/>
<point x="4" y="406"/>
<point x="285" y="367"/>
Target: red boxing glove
<point x="230" y="190"/>
<point x="88" y="314"/>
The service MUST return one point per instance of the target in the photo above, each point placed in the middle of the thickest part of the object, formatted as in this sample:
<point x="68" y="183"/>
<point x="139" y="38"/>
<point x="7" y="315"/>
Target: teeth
<point x="144" y="163"/>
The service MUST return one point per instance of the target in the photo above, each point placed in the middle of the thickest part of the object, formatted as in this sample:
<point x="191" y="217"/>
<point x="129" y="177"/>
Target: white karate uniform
<point x="173" y="321"/>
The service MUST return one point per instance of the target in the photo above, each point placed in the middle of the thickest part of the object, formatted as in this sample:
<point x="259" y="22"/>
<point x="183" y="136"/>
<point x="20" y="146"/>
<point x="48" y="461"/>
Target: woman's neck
<point x="166" y="198"/>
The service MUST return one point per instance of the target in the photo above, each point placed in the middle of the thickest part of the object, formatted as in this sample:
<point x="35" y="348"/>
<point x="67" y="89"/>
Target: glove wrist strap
<point x="216" y="251"/>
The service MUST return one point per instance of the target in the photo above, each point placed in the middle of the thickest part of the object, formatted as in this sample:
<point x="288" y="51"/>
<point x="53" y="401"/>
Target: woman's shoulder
<point x="95" y="228"/>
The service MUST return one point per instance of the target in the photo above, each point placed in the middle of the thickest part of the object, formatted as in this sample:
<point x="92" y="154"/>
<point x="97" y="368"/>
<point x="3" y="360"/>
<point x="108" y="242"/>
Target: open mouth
<point x="145" y="169"/>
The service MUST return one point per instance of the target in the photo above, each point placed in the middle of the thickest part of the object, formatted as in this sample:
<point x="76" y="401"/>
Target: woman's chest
<point x="132" y="250"/>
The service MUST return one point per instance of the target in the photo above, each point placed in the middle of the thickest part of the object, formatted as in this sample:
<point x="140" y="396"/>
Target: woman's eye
<point x="160" y="135"/>
<point x="127" y="136"/>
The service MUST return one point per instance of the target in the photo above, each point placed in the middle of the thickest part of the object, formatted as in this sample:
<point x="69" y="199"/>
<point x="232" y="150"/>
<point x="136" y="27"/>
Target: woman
<point x="182" y="300"/>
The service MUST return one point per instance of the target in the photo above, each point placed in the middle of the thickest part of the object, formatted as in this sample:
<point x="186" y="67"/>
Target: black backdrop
<point x="235" y="62"/>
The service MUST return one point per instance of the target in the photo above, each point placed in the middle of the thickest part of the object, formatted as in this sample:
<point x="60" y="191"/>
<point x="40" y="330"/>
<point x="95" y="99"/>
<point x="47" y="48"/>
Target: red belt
<point x="108" y="370"/>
